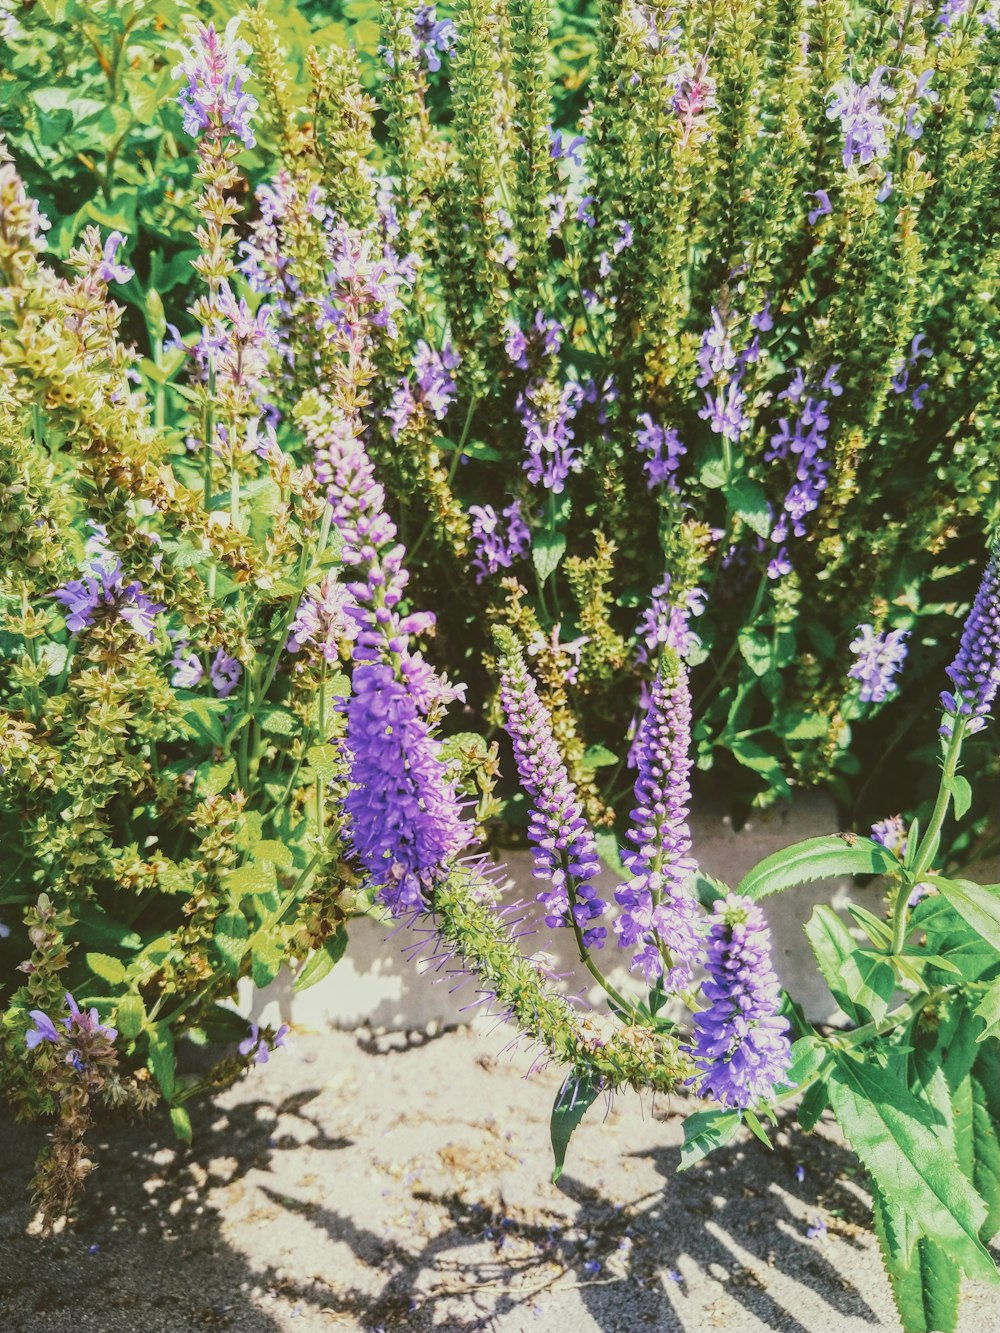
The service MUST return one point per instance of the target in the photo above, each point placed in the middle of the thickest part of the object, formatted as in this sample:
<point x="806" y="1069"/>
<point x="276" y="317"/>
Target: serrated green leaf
<point x="269" y="849"/>
<point x="755" y="649"/>
<point x="251" y="878"/>
<point x="279" y="722"/>
<point x="266" y="960"/>
<point x="713" y="472"/>
<point x="813" y="1104"/>
<point x="985" y="1080"/>
<point x="107" y="968"/>
<point x="816" y="858"/>
<point x="925" y="1282"/>
<point x="322" y="961"/>
<point x="162" y="1059"/>
<point x="988" y="1010"/>
<point x="181" y="1121"/>
<point x="886" y="1126"/>
<point x="704" y="1131"/>
<point x="547" y="549"/>
<point x="748" y="500"/>
<point x="325" y="763"/>
<point x="231" y="933"/>
<point x="599" y="756"/>
<point x="978" y="904"/>
<point x="214" y="778"/>
<point x="130" y="1015"/>
<point x="578" y="1092"/>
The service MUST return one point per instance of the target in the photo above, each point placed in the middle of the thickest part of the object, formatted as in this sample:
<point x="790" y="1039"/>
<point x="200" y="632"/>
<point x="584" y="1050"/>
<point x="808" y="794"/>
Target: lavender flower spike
<point x="658" y="913"/>
<point x="565" y="850"/>
<point x="213" y="101"/>
<point x="975" y="672"/>
<point x="740" y="1044"/>
<point x="879" y="658"/>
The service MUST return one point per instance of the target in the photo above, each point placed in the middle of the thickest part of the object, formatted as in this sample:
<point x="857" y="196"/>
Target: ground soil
<point x="358" y="1183"/>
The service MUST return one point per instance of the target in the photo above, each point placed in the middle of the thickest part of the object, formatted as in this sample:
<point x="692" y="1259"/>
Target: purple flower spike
<point x="659" y="915"/>
<point x="213" y="102"/>
<point x="975" y="672"/>
<point x="495" y="547"/>
<point x="859" y="109"/>
<point x="740" y="1044"/>
<point x="879" y="658"/>
<point x="664" y="448"/>
<point x="565" y="851"/>
<point x="403" y="811"/>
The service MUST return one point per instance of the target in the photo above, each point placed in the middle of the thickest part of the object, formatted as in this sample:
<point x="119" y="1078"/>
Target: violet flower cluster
<point x="975" y="672"/>
<point x="803" y="438"/>
<point x="257" y="1044"/>
<point x="104" y="592"/>
<point x="322" y="619"/>
<point x="721" y="371"/>
<point x="858" y="107"/>
<point x="214" y="102"/>
<point x="434" y="388"/>
<point x="664" y="451"/>
<point x="741" y="1047"/>
<point x="430" y="38"/>
<point x="224" y="672"/>
<point x="664" y="623"/>
<point x="548" y="434"/>
<point x="907" y="367"/>
<point x="880" y="657"/>
<point x="659" y="917"/>
<point x="80" y="1038"/>
<point x="565" y="852"/>
<point x="499" y="539"/>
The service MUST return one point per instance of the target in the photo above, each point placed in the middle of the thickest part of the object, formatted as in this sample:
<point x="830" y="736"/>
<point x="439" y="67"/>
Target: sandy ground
<point x="357" y="1184"/>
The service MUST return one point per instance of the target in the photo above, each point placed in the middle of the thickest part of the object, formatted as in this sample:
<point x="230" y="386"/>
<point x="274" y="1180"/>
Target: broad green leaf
<point x="816" y="858"/>
<point x="214" y="778"/>
<point x="985" y="1080"/>
<point x="704" y="1131"/>
<point x="978" y="904"/>
<point x="886" y="1126"/>
<point x="989" y="1011"/>
<point x="322" y="962"/>
<point x="251" y="878"/>
<point x="813" y="1104"/>
<point x="577" y="1093"/>
<point x="266" y="959"/>
<point x="861" y="982"/>
<point x="107" y="968"/>
<point x="748" y="500"/>
<point x="547" y="549"/>
<point x="231" y="932"/>
<point x="181" y="1121"/>
<point x="279" y="722"/>
<point x="607" y="848"/>
<point x="925" y="1281"/>
<point x="755" y="649"/>
<point x="599" y="756"/>
<point x="713" y="472"/>
<point x="274" y="852"/>
<point x="808" y="1058"/>
<point x="162" y="1060"/>
<point x="130" y="1015"/>
<point x="325" y="763"/>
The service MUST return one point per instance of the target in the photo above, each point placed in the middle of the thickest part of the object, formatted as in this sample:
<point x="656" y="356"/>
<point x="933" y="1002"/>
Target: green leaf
<point x="322" y="961"/>
<point x="808" y="1058"/>
<point x="813" y="1104"/>
<point x="599" y="756"/>
<point x="978" y="904"/>
<point x="181" y="1122"/>
<point x="757" y="1129"/>
<point x="214" y="778"/>
<point x="130" y="1016"/>
<point x="578" y="1092"/>
<point x="162" y="1059"/>
<point x="748" y="500"/>
<point x="925" y="1281"/>
<point x="816" y="858"/>
<point x="755" y="649"/>
<point x="961" y="794"/>
<point x="107" y="968"/>
<point x="713" y="472"/>
<point x="250" y="878"/>
<point x="989" y="1011"/>
<point x="274" y="852"/>
<point x="608" y="850"/>
<point x="279" y="722"/>
<point x="985" y="1080"/>
<point x="266" y="959"/>
<point x="231" y="932"/>
<point x="887" y="1128"/>
<point x="547" y="549"/>
<point x="325" y="763"/>
<point x="704" y="1131"/>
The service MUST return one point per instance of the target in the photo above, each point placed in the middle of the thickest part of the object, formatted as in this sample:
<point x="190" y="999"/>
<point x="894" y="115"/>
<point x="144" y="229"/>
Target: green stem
<point x="588" y="962"/>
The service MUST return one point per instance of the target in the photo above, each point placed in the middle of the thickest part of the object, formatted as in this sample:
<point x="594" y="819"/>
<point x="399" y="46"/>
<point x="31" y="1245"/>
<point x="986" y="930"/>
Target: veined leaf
<point x="162" y="1060"/>
<point x="577" y="1093"/>
<point x="886" y="1126"/>
<point x="322" y="961"/>
<point x="704" y="1131"/>
<point x="989" y="1012"/>
<point x="925" y="1282"/>
<point x="978" y="904"/>
<point x="816" y="858"/>
<point x="231" y="933"/>
<point x="861" y="982"/>
<point x="985" y="1081"/>
<point x="107" y="968"/>
<point x="547" y="549"/>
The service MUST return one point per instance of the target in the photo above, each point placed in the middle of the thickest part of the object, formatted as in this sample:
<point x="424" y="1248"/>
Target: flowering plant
<point x="628" y="407"/>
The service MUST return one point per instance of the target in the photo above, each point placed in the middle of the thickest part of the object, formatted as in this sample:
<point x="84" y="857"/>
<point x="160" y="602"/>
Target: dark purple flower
<point x="975" y="672"/>
<point x="213" y="102"/>
<point x="660" y="919"/>
<point x="879" y="659"/>
<point x="564" y="849"/>
<point x="801" y="438"/>
<point x="571" y="151"/>
<point x="740" y="1046"/>
<point x="104" y="588"/>
<point x="665" y="450"/>
<point x="664" y="623"/>
<point x="901" y="379"/>
<point x="224" y="673"/>
<point x="405" y="823"/>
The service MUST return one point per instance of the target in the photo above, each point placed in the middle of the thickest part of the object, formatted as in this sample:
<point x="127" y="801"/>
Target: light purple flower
<point x="224" y="673"/>
<point x="214" y="102"/>
<point x="500" y="539"/>
<point x="664" y="623"/>
<point x="103" y="588"/>
<point x="322" y="619"/>
<point x="900" y="382"/>
<point x="740" y="1044"/>
<point x="188" y="670"/>
<point x="879" y="659"/>
<point x="859" y="109"/>
<point x="549" y="435"/>
<point x="258" y="1045"/>
<point x="430" y="38"/>
<point x="823" y="206"/>
<point x="665" y="450"/>
<point x="109" y="270"/>
<point x="570" y="151"/>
